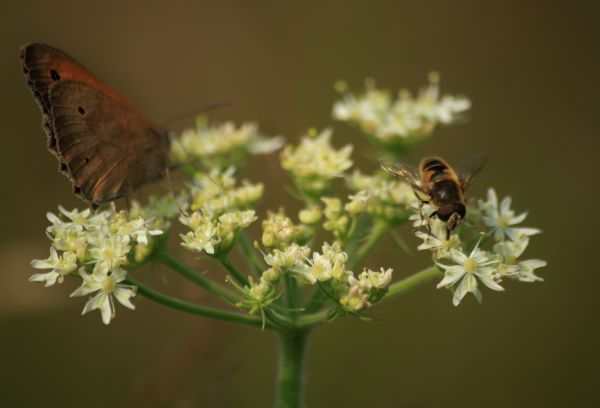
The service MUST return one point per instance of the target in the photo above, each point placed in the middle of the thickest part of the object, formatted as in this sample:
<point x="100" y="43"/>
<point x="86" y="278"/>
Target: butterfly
<point x="103" y="143"/>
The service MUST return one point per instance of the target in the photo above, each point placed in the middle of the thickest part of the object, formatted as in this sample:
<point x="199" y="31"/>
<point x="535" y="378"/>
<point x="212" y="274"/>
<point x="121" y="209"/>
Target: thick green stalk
<point x="180" y="305"/>
<point x="412" y="281"/>
<point x="191" y="275"/>
<point x="290" y="369"/>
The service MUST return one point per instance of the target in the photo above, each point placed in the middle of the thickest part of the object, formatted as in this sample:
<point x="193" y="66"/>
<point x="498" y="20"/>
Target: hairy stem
<point x="187" y="307"/>
<point x="191" y="275"/>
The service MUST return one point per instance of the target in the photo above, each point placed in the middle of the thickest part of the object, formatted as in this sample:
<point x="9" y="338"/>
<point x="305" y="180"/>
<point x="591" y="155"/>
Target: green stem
<point x="290" y="369"/>
<point x="250" y="254"/>
<point x="316" y="301"/>
<point x="305" y="321"/>
<point x="290" y="293"/>
<point x="237" y="275"/>
<point x="191" y="275"/>
<point x="412" y="281"/>
<point x="377" y="231"/>
<point x="180" y="305"/>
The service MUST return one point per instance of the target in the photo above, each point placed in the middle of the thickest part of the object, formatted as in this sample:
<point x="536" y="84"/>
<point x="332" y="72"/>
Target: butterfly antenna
<point x="203" y="109"/>
<point x="181" y="209"/>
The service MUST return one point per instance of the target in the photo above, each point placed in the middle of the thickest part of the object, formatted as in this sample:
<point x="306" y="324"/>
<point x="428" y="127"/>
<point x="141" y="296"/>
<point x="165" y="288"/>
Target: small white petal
<point x="451" y="276"/>
<point x="123" y="295"/>
<point x="518" y="219"/>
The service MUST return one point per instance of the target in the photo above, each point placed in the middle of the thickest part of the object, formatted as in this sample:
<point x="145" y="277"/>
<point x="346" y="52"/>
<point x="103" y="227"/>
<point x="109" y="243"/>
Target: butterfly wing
<point x="103" y="143"/>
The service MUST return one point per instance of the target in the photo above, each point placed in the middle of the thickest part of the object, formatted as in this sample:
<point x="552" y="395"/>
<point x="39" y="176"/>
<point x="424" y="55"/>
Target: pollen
<point x="470" y="265"/>
<point x="108" y="285"/>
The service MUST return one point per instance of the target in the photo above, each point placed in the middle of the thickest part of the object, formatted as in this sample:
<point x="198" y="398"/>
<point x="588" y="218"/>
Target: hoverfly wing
<point x="405" y="172"/>
<point x="468" y="168"/>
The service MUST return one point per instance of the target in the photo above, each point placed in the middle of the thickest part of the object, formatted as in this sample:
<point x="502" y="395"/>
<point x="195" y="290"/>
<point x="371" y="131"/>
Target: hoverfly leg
<point x="447" y="233"/>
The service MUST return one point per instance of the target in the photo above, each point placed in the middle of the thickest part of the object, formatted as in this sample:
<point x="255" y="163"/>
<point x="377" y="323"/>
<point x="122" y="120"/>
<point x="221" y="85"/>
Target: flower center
<point x="108" y="254"/>
<point x="108" y="285"/>
<point x="470" y="265"/>
<point x="503" y="221"/>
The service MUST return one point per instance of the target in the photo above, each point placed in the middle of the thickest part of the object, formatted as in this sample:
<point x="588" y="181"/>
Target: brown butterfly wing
<point x="103" y="143"/>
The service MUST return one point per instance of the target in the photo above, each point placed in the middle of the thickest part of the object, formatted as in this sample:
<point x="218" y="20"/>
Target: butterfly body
<point x="105" y="145"/>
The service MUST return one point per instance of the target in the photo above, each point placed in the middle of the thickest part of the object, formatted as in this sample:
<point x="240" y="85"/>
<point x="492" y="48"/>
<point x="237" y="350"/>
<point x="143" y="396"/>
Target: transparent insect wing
<point x="468" y="168"/>
<point x="405" y="172"/>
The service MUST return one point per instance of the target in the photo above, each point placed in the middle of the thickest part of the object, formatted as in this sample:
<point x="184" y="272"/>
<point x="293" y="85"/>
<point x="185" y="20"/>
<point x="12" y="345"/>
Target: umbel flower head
<point x="221" y="145"/>
<point x="462" y="256"/>
<point x="399" y="123"/>
<point x="98" y="246"/>
<point x="315" y="163"/>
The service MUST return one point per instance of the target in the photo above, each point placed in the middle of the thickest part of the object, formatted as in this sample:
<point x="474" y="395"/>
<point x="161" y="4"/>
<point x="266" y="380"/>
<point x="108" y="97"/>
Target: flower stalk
<point x="290" y="369"/>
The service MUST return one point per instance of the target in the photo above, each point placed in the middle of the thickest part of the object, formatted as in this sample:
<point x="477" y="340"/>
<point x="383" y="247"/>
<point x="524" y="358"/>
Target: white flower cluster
<point x="326" y="269"/>
<point x="217" y="192"/>
<point x="401" y="121"/>
<point x="315" y="163"/>
<point x="214" y="234"/>
<point x="98" y="246"/>
<point x="279" y="230"/>
<point x="464" y="268"/>
<point x="220" y="145"/>
<point x="389" y="199"/>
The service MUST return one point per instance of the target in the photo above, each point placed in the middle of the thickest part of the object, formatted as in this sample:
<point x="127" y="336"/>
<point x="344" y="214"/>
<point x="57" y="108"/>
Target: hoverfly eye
<point x="460" y="209"/>
<point x="445" y="211"/>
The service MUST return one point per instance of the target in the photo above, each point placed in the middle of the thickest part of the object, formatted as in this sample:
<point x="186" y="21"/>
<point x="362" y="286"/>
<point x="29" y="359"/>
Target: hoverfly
<point x="435" y="182"/>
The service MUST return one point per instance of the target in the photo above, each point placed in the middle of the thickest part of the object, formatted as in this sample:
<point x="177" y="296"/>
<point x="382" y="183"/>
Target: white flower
<point x="315" y="162"/>
<point x="404" y="118"/>
<point x="217" y="143"/>
<point x="61" y="265"/>
<point x="237" y="219"/>
<point x="138" y="230"/>
<point x="109" y="252"/>
<point x="436" y="239"/>
<point x="509" y="251"/>
<point x="369" y="279"/>
<point x="465" y="269"/>
<point x="331" y="263"/>
<point x="288" y="257"/>
<point x="502" y="218"/>
<point x="108" y="287"/>
<point x="203" y="238"/>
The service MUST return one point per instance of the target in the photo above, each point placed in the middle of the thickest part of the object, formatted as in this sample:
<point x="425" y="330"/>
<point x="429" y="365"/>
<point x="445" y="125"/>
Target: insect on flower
<point x="435" y="182"/>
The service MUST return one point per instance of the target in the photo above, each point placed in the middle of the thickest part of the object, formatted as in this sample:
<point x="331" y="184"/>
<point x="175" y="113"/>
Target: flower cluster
<point x="279" y="231"/>
<point x="399" y="123"/>
<point x="221" y="208"/>
<point x="463" y="267"/>
<point x="388" y="199"/>
<point x="97" y="246"/>
<point x="326" y="269"/>
<point x="221" y="145"/>
<point x="214" y="234"/>
<point x="217" y="192"/>
<point x="315" y="163"/>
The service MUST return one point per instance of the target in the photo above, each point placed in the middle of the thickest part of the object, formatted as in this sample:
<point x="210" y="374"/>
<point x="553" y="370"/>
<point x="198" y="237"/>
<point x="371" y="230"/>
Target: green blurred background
<point x="531" y="69"/>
